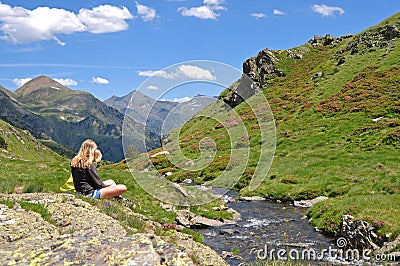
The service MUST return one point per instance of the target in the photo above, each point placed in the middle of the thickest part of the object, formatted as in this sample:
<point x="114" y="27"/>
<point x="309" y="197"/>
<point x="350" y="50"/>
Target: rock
<point x="341" y="61"/>
<point x="236" y="215"/>
<point x="159" y="153"/>
<point x="230" y="254"/>
<point x="317" y="75"/>
<point x="389" y="246"/>
<point x="391" y="32"/>
<point x="359" y="234"/>
<point x="203" y="222"/>
<point x="187" y="181"/>
<point x="228" y="232"/>
<point x="309" y="203"/>
<point x="184" y="217"/>
<point x="79" y="233"/>
<point x="255" y="70"/>
<point x="189" y="163"/>
<point x="191" y="220"/>
<point x="253" y="198"/>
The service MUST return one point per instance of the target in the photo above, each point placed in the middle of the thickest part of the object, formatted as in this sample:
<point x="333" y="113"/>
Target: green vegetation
<point x="38" y="208"/>
<point x="32" y="167"/>
<point x="337" y="134"/>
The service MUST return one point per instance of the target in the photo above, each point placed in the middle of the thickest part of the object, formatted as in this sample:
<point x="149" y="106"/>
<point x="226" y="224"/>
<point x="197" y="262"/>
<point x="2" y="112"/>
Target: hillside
<point x="335" y="101"/>
<point x="48" y="223"/>
<point x="26" y="162"/>
<point x="51" y="111"/>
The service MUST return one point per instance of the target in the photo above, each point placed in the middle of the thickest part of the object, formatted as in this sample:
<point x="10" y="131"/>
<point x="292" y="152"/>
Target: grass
<point x="326" y="140"/>
<point x="38" y="208"/>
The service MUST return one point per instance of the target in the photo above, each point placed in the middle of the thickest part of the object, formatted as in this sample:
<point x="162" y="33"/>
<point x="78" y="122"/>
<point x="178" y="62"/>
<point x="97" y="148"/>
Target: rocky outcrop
<point x="255" y="72"/>
<point x="359" y="234"/>
<point x="327" y="40"/>
<point x="66" y="230"/>
<point x="368" y="41"/>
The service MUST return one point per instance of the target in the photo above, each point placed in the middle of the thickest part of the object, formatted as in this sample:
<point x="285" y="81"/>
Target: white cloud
<point x="99" y="80"/>
<point x="105" y="18"/>
<point x="206" y="11"/>
<point x="152" y="88"/>
<point x="195" y="72"/>
<point x="214" y="2"/>
<point x="66" y="82"/>
<point x="155" y="73"/>
<point x="181" y="100"/>
<point x="202" y="12"/>
<point x="326" y="11"/>
<point x="182" y="71"/>
<point x="258" y="15"/>
<point x="145" y="12"/>
<point x="278" y="12"/>
<point x="20" y="82"/>
<point x="20" y="25"/>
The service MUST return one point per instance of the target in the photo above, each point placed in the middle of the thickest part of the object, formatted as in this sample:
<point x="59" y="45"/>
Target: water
<point x="265" y="226"/>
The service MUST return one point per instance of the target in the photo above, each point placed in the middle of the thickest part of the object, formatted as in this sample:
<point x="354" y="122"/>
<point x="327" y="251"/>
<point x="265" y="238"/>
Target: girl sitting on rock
<point x="86" y="179"/>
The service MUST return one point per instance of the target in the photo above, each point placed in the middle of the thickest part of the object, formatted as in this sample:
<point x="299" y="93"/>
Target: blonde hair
<point x="86" y="155"/>
<point x="97" y="156"/>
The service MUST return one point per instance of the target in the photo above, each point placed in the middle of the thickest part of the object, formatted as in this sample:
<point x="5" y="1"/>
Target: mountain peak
<point x="41" y="82"/>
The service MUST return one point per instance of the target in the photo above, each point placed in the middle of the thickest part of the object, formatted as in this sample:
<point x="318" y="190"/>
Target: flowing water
<point x="266" y="229"/>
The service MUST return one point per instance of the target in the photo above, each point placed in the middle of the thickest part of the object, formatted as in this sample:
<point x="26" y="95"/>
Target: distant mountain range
<point x="57" y="114"/>
<point x="162" y="115"/>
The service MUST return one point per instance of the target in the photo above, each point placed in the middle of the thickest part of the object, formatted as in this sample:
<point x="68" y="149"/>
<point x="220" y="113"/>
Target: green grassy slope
<point x="327" y="141"/>
<point x="27" y="164"/>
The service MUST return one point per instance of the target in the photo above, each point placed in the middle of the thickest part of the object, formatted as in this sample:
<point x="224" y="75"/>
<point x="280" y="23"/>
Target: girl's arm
<point x="95" y="177"/>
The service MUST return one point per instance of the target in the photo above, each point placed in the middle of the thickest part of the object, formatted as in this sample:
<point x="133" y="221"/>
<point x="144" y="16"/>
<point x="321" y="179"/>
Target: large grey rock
<point x="359" y="234"/>
<point x="191" y="220"/>
<point x="78" y="233"/>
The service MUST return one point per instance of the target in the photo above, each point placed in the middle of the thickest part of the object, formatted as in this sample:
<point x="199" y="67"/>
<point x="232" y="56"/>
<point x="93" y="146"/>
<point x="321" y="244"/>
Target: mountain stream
<point x="267" y="230"/>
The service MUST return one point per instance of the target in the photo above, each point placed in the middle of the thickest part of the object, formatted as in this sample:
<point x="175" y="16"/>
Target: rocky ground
<point x="78" y="233"/>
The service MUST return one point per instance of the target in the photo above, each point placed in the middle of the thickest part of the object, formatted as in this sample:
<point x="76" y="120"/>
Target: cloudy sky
<point x="112" y="47"/>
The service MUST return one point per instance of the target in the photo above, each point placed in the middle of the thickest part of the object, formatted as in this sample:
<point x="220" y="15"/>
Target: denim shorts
<point x="95" y="194"/>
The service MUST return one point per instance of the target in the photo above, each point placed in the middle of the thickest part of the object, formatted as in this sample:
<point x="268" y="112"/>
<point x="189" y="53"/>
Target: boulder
<point x="73" y="231"/>
<point x="359" y="234"/>
<point x="191" y="220"/>
<point x="253" y="198"/>
<point x="309" y="203"/>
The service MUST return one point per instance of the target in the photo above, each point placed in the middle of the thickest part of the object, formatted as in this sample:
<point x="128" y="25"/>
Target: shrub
<point x="3" y="143"/>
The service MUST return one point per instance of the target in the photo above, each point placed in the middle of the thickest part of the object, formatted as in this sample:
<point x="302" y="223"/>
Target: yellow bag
<point x="68" y="186"/>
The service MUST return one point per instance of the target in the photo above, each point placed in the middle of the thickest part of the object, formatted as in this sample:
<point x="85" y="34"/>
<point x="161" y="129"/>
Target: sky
<point x="112" y="47"/>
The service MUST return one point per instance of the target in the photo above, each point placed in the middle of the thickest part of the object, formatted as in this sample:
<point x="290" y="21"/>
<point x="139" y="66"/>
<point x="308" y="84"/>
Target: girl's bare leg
<point x="112" y="191"/>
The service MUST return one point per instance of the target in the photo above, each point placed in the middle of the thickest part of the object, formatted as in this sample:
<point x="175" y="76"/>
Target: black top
<point x="86" y="180"/>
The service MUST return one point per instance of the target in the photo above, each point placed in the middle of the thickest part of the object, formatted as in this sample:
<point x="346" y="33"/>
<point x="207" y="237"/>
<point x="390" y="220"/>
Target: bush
<point x="3" y="143"/>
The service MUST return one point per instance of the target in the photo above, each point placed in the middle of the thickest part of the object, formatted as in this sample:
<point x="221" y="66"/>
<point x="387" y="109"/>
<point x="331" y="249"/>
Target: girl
<point x="86" y="179"/>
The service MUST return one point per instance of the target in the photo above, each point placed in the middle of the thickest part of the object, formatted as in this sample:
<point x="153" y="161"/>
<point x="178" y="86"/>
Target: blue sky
<point x="111" y="47"/>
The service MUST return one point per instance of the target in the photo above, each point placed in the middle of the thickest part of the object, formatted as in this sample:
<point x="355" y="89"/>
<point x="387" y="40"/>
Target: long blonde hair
<point x="86" y="155"/>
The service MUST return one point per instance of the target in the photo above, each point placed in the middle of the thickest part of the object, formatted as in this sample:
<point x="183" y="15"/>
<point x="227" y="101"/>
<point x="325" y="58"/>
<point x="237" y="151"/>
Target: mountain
<point x="336" y="107"/>
<point x="158" y="111"/>
<point x="52" y="111"/>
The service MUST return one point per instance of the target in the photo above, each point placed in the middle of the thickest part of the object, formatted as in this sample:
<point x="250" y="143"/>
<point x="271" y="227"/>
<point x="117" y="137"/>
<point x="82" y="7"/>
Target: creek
<point x="265" y="226"/>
